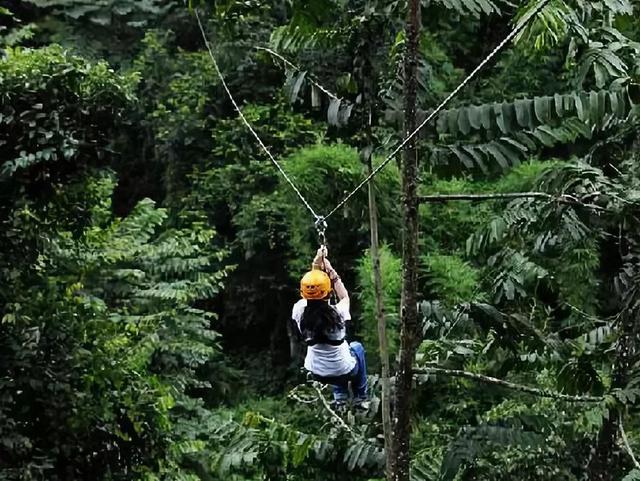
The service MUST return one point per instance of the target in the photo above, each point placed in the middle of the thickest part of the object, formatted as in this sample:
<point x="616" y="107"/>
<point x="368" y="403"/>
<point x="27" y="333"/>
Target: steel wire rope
<point x="295" y="67"/>
<point x="320" y="221"/>
<point x="442" y="105"/>
<point x="248" y="124"/>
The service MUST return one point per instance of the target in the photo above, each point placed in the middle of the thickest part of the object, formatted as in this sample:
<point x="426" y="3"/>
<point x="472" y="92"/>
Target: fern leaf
<point x="474" y="441"/>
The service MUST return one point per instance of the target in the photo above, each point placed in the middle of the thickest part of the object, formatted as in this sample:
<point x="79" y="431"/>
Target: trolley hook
<point x="321" y="227"/>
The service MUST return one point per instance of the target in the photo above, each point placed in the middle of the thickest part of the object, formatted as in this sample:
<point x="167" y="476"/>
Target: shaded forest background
<point x="150" y="253"/>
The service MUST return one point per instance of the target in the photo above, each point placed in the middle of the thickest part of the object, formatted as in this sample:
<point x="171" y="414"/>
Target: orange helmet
<point x="315" y="284"/>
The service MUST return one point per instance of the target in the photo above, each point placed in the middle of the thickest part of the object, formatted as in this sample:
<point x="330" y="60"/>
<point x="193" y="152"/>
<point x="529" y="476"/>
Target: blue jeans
<point x="358" y="376"/>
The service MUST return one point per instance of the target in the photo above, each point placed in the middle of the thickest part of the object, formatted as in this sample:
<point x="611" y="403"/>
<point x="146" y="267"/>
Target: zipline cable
<point x="292" y="65"/>
<point x="248" y="125"/>
<point x="442" y="105"/>
<point x="320" y="221"/>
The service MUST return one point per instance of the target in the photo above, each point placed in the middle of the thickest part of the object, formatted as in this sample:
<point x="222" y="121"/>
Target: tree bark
<point x="409" y="330"/>
<point x="365" y="71"/>
<point x="381" y="322"/>
<point x="606" y="455"/>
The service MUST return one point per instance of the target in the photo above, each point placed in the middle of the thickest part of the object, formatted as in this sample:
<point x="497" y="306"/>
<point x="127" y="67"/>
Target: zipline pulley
<point x="321" y="227"/>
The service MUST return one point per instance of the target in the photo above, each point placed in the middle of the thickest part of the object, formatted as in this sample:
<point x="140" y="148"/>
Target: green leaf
<point x="474" y="441"/>
<point x="352" y="455"/>
<point x="542" y="107"/>
<point x="475" y="117"/>
<point x="494" y="151"/>
<point x="512" y="150"/>
<point x="601" y="75"/>
<point x="296" y="87"/>
<point x="580" y="108"/>
<point x="500" y="119"/>
<point x="476" y="157"/>
<point x="463" y="157"/>
<point x="523" y="109"/>
<point x="452" y="121"/>
<point x="545" y="136"/>
<point x="332" y="112"/>
<point x="569" y="104"/>
<point x="519" y="146"/>
<point x="559" y="105"/>
<point x="463" y="121"/>
<point x="487" y="115"/>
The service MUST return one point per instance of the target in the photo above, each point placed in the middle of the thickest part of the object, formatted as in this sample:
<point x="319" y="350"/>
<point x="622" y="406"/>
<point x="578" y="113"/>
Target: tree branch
<point x="293" y="394"/>
<point x="324" y="402"/>
<point x="506" y="384"/>
<point x="562" y="199"/>
<point x="627" y="445"/>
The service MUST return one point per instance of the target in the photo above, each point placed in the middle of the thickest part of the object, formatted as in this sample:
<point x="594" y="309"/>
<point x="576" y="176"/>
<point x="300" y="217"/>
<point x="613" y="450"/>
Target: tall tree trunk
<point x="365" y="71"/>
<point x="606" y="455"/>
<point x="409" y="331"/>
<point x="380" y="318"/>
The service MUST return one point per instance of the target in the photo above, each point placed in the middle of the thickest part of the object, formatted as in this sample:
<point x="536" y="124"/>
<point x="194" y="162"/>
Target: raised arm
<point x="321" y="262"/>
<point x="338" y="286"/>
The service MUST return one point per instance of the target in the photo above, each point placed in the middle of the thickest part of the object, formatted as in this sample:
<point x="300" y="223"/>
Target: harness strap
<point x="324" y="340"/>
<point x="334" y="380"/>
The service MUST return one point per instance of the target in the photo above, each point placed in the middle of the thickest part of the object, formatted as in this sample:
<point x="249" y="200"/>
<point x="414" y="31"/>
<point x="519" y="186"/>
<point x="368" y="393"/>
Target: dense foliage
<point x="150" y="252"/>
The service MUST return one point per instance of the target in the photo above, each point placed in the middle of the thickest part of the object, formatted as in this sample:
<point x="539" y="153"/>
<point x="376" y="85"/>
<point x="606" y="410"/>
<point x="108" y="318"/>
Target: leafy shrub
<point x="450" y="279"/>
<point x="101" y="345"/>
<point x="325" y="174"/>
<point x="57" y="112"/>
<point x="391" y="270"/>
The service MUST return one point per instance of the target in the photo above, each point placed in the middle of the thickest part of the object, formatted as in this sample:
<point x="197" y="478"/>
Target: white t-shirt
<point x="325" y="359"/>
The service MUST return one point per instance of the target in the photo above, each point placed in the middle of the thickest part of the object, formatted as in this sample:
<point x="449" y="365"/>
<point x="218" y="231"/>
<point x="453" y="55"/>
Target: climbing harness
<point x="321" y="221"/>
<point x="315" y="338"/>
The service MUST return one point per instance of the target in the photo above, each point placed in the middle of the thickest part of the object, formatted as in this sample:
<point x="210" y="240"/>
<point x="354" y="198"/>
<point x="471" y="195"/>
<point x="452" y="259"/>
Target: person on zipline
<point x="329" y="357"/>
